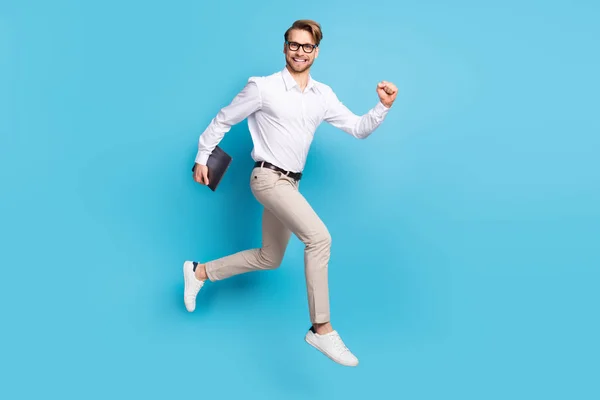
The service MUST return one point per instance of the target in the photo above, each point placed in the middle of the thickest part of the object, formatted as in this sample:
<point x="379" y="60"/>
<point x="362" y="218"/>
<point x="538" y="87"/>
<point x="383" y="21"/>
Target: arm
<point x="244" y="104"/>
<point x="360" y="127"/>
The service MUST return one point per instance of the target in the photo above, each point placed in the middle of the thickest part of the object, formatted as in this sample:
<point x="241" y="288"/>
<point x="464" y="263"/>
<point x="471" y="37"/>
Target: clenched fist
<point x="201" y="174"/>
<point x="387" y="92"/>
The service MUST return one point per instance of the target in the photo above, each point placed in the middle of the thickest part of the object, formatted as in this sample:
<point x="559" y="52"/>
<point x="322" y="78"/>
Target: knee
<point x="321" y="239"/>
<point x="325" y="239"/>
<point x="318" y="251"/>
<point x="269" y="260"/>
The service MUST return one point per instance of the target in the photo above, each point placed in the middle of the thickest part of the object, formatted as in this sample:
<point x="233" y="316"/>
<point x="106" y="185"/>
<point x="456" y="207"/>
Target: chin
<point x="300" y="68"/>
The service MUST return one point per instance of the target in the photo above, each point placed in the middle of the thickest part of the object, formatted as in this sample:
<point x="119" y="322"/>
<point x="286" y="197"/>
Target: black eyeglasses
<point x="308" y="48"/>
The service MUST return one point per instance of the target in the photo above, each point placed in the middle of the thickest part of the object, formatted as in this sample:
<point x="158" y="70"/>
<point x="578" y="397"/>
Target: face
<point x="299" y="60"/>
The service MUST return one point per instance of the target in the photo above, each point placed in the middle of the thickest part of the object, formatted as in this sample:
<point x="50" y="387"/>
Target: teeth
<point x="298" y="60"/>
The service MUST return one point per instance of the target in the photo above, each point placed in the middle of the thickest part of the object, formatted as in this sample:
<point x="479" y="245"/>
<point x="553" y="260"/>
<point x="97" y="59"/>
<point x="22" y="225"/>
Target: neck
<point x="301" y="78"/>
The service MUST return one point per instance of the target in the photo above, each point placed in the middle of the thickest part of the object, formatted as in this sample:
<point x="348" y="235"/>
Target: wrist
<point x="386" y="104"/>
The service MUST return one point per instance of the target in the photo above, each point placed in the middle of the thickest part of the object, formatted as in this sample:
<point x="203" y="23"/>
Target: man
<point x="284" y="110"/>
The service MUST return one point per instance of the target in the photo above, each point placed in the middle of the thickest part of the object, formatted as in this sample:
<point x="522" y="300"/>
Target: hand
<point x="201" y="174"/>
<point x="387" y="92"/>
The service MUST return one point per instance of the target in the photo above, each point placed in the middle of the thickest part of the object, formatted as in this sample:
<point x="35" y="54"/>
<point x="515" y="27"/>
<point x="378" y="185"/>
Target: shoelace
<point x="338" y="343"/>
<point x="198" y="285"/>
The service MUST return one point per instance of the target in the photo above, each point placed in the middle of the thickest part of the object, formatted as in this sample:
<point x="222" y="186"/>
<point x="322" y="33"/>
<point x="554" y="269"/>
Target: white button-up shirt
<point x="282" y="119"/>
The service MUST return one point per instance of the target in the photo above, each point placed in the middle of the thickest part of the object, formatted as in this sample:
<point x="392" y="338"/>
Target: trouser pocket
<point x="263" y="179"/>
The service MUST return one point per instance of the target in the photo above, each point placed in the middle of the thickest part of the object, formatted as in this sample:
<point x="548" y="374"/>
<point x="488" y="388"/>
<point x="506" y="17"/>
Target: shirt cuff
<point x="202" y="158"/>
<point x="381" y="109"/>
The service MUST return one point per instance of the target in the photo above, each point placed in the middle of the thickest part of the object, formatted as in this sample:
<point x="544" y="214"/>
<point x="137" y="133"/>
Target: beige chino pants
<point x="286" y="211"/>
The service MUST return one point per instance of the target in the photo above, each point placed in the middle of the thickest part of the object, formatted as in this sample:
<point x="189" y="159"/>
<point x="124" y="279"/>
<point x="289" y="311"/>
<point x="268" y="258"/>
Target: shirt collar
<point x="290" y="82"/>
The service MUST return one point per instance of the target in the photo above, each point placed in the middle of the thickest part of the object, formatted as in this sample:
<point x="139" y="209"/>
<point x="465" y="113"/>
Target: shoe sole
<point x="307" y="338"/>
<point x="185" y="280"/>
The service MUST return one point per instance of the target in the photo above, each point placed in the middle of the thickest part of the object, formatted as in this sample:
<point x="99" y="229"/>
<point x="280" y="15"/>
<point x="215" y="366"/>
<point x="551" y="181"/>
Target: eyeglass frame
<point x="311" y="46"/>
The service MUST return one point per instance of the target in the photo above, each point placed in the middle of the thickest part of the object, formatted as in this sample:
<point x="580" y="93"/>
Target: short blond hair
<point x="312" y="27"/>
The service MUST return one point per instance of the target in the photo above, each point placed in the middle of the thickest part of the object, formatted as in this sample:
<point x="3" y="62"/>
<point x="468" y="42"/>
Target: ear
<point x="316" y="52"/>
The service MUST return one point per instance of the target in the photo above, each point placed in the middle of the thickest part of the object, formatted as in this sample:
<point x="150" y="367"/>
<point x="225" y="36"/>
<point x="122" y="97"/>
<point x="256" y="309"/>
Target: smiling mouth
<point x="299" y="60"/>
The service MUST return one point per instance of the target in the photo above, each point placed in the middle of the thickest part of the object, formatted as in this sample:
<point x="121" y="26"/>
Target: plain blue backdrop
<point x="466" y="230"/>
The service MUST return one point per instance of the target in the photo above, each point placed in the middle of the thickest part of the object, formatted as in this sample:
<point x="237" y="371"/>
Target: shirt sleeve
<point x="246" y="102"/>
<point x="360" y="127"/>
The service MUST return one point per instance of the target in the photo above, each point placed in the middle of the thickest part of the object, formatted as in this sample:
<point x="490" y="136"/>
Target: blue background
<point x="465" y="230"/>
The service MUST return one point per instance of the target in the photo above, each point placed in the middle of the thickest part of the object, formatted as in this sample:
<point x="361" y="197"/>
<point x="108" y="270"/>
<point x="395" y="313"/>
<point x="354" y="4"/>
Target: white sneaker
<point x="332" y="346"/>
<point x="192" y="286"/>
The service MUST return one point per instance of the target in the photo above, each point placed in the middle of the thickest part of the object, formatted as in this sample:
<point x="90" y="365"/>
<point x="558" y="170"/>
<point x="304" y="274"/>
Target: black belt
<point x="264" y="164"/>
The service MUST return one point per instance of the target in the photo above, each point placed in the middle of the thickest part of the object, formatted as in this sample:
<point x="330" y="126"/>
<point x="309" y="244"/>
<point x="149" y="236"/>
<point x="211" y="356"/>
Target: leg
<point x="275" y="238"/>
<point x="280" y="195"/>
<point x="274" y="242"/>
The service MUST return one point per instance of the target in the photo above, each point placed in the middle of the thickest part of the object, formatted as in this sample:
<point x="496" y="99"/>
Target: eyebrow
<point x="302" y="44"/>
